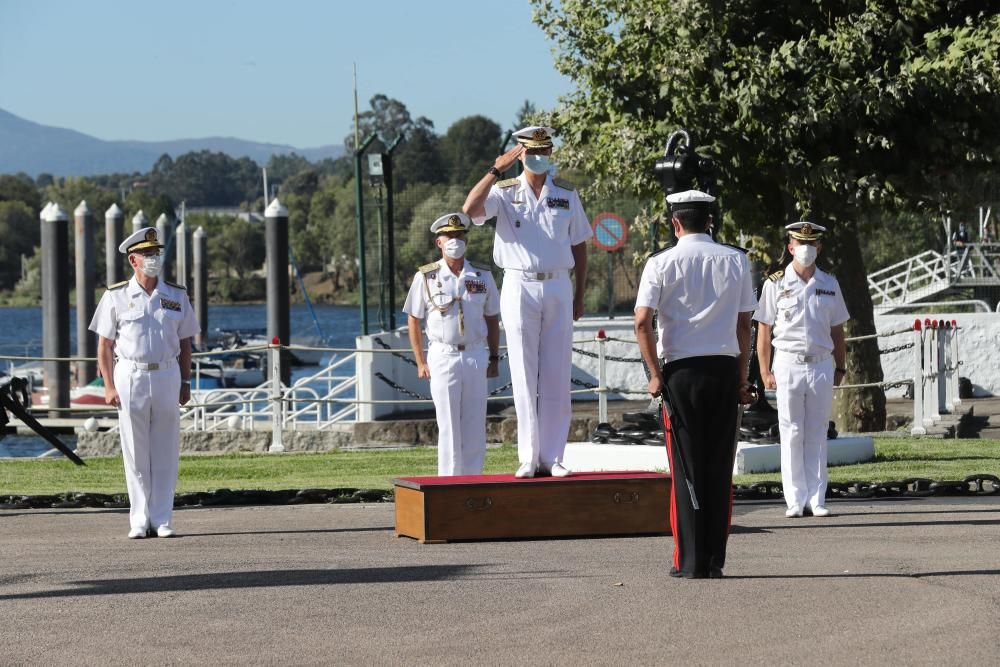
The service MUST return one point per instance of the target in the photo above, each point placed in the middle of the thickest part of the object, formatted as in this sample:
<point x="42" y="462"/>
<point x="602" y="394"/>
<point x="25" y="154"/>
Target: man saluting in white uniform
<point x="147" y="324"/>
<point x="540" y="236"/>
<point x="460" y="303"/>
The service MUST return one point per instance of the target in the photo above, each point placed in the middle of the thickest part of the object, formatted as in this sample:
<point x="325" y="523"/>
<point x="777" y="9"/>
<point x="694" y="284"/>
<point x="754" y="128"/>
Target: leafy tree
<point x="331" y="219"/>
<point x="342" y="167"/>
<point x="469" y="148"/>
<point x="20" y="233"/>
<point x="387" y="117"/>
<point x="418" y="247"/>
<point x="20" y="188"/>
<point x="138" y="200"/>
<point x="525" y="115"/>
<point x="820" y="110"/>
<point x="238" y="246"/>
<point x="303" y="183"/>
<point x="282" y="167"/>
<point x="204" y="178"/>
<point x="418" y="158"/>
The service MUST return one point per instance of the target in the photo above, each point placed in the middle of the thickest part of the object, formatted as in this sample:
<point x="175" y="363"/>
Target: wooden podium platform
<point x="483" y="507"/>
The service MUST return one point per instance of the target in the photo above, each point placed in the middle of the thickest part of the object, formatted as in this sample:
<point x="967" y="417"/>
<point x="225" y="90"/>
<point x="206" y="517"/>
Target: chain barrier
<point x="978" y="484"/>
<point x="385" y="346"/>
<point x="897" y="348"/>
<point x="884" y="334"/>
<point x="500" y="390"/>
<point x="411" y="394"/>
<point x="884" y="385"/>
<point x="401" y="389"/>
<point x="609" y="390"/>
<point x="400" y="355"/>
<point x="607" y="357"/>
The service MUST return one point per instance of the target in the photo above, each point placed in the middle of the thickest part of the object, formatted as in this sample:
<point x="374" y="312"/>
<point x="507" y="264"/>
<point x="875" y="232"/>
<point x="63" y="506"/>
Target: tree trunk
<point x="856" y="410"/>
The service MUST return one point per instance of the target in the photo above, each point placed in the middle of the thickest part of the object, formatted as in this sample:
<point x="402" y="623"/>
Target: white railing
<point x="325" y="398"/>
<point x="930" y="272"/>
<point x="909" y="280"/>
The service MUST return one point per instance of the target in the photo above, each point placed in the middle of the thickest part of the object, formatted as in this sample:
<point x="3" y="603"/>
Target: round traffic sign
<point x="610" y="231"/>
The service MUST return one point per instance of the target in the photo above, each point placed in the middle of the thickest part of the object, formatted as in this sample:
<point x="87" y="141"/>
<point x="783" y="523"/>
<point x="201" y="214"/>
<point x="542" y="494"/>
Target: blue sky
<point x="266" y="71"/>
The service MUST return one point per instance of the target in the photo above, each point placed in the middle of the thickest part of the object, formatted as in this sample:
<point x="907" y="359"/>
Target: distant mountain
<point x="35" y="149"/>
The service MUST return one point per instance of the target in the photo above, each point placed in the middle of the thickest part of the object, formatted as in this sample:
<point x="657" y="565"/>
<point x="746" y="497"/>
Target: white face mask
<point x="454" y="248"/>
<point x="805" y="255"/>
<point x="536" y="164"/>
<point x="151" y="265"/>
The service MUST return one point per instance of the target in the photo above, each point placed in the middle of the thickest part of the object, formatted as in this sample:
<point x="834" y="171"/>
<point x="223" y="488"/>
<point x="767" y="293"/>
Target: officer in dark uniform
<point x="703" y="293"/>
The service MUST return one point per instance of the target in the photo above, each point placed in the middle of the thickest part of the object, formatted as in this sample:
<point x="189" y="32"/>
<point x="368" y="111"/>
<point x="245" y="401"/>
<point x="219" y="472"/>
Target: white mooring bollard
<point x="277" y="405"/>
<point x="918" y="380"/>
<point x="929" y="364"/>
<point x="956" y="400"/>
<point x="942" y="368"/>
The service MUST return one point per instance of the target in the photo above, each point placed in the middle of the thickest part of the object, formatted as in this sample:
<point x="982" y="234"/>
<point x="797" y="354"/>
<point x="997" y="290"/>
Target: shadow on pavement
<point x="260" y="579"/>
<point x="856" y="575"/>
<point x="374" y="529"/>
<point x="832" y="522"/>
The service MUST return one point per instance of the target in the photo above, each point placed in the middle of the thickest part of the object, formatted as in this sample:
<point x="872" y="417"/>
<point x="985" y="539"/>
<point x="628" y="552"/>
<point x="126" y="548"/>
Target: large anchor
<point x="14" y="397"/>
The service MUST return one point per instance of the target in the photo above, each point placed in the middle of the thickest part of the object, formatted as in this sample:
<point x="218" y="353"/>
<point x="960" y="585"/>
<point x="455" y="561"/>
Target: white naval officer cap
<point x="535" y="136"/>
<point x="689" y="199"/>
<point x="451" y="222"/>
<point x="805" y="231"/>
<point x="140" y="240"/>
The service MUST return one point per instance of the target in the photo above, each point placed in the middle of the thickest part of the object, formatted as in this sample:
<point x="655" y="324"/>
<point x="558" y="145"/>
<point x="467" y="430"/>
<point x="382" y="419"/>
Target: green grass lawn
<point x="896" y="458"/>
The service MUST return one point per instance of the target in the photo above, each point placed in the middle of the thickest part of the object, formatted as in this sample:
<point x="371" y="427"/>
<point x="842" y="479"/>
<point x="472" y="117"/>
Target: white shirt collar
<point x="695" y="238"/>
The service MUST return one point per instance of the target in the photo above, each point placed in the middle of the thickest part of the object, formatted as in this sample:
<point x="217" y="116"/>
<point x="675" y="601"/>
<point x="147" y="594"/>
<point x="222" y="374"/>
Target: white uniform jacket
<point x="802" y="313"/>
<point x="147" y="328"/>
<point x="463" y="300"/>
<point x="535" y="233"/>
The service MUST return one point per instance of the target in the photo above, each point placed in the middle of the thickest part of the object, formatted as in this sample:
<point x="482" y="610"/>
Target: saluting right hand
<point x="507" y="160"/>
<point x="111" y="397"/>
<point x="423" y="372"/>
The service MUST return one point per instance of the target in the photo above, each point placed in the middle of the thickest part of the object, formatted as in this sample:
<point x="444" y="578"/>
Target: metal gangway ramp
<point x="931" y="273"/>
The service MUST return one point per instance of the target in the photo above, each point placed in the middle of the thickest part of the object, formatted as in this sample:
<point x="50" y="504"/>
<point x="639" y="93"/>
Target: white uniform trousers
<point x="458" y="387"/>
<point x="538" y="319"/>
<point x="805" y="401"/>
<point x="149" y="419"/>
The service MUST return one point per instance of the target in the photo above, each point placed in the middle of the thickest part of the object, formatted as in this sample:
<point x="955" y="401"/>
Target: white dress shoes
<point x="137" y="533"/>
<point x="819" y="510"/>
<point x="526" y="470"/>
<point x="793" y="512"/>
<point x="165" y="531"/>
<point x="559" y="470"/>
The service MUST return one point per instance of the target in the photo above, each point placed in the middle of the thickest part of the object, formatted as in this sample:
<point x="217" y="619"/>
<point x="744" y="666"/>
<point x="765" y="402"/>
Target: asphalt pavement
<point x="910" y="581"/>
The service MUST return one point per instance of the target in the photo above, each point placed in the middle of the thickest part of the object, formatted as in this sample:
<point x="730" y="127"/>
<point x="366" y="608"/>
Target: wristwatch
<point x="494" y="171"/>
<point x="494" y="357"/>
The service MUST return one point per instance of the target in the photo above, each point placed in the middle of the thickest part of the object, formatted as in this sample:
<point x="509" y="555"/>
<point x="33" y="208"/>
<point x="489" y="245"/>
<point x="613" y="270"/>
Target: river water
<point x="21" y="334"/>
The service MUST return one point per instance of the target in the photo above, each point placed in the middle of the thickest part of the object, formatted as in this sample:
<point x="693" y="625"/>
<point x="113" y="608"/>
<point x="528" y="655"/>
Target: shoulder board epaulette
<point x="118" y="285"/>
<point x="662" y="250"/>
<point x="429" y="268"/>
<point x="736" y="247"/>
<point x="565" y="185"/>
<point x="176" y="286"/>
<point x="507" y="183"/>
<point x="482" y="266"/>
<point x="776" y="276"/>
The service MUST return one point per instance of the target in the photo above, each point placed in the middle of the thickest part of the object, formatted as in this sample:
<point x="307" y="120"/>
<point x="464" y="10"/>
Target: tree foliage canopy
<point x="817" y="109"/>
<point x="809" y="107"/>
